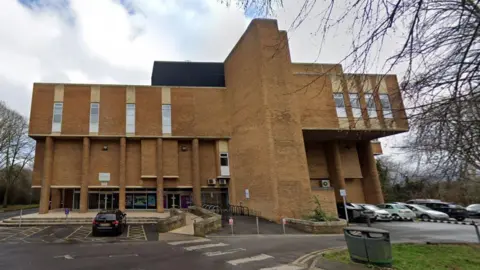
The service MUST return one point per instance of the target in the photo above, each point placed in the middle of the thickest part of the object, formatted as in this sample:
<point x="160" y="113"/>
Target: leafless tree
<point x="439" y="49"/>
<point x="16" y="148"/>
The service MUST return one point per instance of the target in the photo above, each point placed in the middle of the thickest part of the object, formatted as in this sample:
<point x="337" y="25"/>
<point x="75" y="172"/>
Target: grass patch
<point x="420" y="257"/>
<point x="18" y="207"/>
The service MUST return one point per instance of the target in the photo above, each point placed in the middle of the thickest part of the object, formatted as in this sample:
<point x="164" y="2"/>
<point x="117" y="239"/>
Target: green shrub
<point x="318" y="214"/>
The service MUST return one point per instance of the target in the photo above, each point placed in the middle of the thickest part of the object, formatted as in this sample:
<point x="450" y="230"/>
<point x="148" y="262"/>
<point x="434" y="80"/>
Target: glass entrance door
<point x="106" y="201"/>
<point x="173" y="200"/>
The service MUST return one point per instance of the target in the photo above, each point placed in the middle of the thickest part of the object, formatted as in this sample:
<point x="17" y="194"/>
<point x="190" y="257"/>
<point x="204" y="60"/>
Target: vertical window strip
<point x="355" y="102"/>
<point x="386" y="106"/>
<point x="340" y="105"/>
<point x="371" y="108"/>
<point x="57" y="117"/>
<point x="130" y="118"/>
<point x="94" y="116"/>
<point x="167" y="119"/>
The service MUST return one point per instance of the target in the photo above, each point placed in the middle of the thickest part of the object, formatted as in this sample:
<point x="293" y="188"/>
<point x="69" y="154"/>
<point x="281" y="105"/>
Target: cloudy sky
<point x="116" y="41"/>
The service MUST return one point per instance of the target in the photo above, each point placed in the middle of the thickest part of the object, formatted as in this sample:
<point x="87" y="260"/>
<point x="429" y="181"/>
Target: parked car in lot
<point x="379" y="214"/>
<point x="355" y="212"/>
<point x="452" y="210"/>
<point x="423" y="212"/>
<point x="474" y="210"/>
<point x="398" y="211"/>
<point x="113" y="221"/>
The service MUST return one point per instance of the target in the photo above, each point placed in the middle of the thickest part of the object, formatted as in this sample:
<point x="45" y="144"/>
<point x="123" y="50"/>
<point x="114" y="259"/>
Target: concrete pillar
<point x="197" y="190"/>
<point x="160" y="175"/>
<point x="123" y="156"/>
<point x="335" y="169"/>
<point x="56" y="198"/>
<point x="47" y="176"/>
<point x="85" y="175"/>
<point x="372" y="189"/>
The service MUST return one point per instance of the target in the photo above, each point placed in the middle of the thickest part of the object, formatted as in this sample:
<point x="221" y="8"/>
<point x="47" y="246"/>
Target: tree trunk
<point x="5" y="197"/>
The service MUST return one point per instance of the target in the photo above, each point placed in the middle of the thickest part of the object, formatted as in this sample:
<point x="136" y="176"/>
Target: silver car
<point x="424" y="212"/>
<point x="380" y="214"/>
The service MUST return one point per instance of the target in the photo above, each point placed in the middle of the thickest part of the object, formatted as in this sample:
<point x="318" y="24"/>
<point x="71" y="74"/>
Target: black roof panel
<point x="188" y="74"/>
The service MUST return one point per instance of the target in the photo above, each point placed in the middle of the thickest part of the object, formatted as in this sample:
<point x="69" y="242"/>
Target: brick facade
<point x="272" y="130"/>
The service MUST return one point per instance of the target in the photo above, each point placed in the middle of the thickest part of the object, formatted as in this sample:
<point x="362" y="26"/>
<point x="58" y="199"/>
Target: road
<point x="215" y="252"/>
<point x="10" y="214"/>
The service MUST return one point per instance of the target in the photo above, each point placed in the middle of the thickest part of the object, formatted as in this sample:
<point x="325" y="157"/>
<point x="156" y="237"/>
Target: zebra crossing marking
<point x="205" y="246"/>
<point x="175" y="243"/>
<point x="260" y="257"/>
<point x="218" y="253"/>
<point x="284" y="267"/>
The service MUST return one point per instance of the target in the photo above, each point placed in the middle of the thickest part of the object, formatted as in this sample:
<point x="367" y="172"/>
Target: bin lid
<point x="365" y="229"/>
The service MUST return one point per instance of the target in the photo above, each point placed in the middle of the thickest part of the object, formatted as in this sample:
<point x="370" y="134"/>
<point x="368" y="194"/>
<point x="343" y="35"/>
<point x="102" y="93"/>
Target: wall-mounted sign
<point x="104" y="177"/>
<point x="247" y="194"/>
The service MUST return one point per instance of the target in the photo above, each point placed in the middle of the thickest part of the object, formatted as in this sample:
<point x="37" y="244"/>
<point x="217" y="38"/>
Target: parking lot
<point x="72" y="234"/>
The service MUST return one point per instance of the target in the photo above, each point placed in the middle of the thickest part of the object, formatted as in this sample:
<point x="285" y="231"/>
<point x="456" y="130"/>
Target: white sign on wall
<point x="343" y="192"/>
<point x="104" y="177"/>
<point x="247" y="194"/>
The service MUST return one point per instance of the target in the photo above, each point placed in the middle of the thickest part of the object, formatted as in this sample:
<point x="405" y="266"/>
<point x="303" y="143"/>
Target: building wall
<point x="37" y="174"/>
<point x="184" y="163"/>
<point x="133" y="161"/>
<point x="42" y="109"/>
<point x="326" y="197"/>
<point x="149" y="160"/>
<point x="317" y="163"/>
<point x="148" y="110"/>
<point x="354" y="190"/>
<point x="104" y="161"/>
<point x="350" y="162"/>
<point x="112" y="110"/>
<point x="76" y="110"/>
<point x="67" y="162"/>
<point x="208" y="162"/>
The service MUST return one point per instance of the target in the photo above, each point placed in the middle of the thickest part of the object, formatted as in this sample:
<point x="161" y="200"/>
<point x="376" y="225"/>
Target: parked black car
<point x="355" y="212"/>
<point x="452" y="210"/>
<point x="113" y="221"/>
<point x="474" y="210"/>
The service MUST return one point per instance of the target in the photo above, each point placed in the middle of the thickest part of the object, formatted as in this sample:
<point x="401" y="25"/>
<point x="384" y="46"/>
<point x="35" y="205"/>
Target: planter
<point x="317" y="227"/>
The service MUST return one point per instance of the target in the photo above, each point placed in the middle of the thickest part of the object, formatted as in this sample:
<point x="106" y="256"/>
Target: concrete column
<point x="371" y="182"/>
<point x="85" y="175"/>
<point x="197" y="190"/>
<point x="56" y="198"/>
<point x="335" y="169"/>
<point x="47" y="176"/>
<point x="123" y="156"/>
<point x="160" y="175"/>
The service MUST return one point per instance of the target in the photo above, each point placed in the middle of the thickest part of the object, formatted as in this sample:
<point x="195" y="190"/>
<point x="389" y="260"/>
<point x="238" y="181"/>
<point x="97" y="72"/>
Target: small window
<point x="57" y="117"/>
<point x="130" y="118"/>
<point x="340" y="105"/>
<point x="355" y="102"/>
<point x="387" y="206"/>
<point x="386" y="107"/>
<point x="167" y="119"/>
<point x="94" y="116"/>
<point x="223" y="159"/>
<point x="371" y="108"/>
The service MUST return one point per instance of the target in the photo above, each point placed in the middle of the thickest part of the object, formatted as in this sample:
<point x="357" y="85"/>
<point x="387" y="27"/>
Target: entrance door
<point x="173" y="200"/>
<point x="106" y="201"/>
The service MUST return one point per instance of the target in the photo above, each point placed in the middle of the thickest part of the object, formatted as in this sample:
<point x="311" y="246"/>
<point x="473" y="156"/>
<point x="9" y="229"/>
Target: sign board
<point x="67" y="211"/>
<point x="104" y="184"/>
<point x="284" y="221"/>
<point x="230" y="221"/>
<point x="104" y="177"/>
<point x="247" y="194"/>
<point x="343" y="192"/>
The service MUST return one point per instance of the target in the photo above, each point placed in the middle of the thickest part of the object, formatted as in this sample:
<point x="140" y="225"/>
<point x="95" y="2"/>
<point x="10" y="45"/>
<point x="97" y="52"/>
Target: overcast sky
<point x="116" y="41"/>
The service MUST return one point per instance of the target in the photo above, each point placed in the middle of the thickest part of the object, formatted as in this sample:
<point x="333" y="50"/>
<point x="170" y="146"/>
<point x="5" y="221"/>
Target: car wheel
<point x="460" y="218"/>
<point x="424" y="216"/>
<point x="395" y="217"/>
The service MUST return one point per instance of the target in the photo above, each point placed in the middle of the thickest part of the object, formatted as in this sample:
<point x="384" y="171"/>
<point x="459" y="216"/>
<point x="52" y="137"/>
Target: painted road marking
<point x="260" y="257"/>
<point x="136" y="232"/>
<point x="218" y="253"/>
<point x="175" y="243"/>
<point x="21" y="234"/>
<point x="67" y="257"/>
<point x="284" y="267"/>
<point x="73" y="232"/>
<point x="123" y="255"/>
<point x="205" y="246"/>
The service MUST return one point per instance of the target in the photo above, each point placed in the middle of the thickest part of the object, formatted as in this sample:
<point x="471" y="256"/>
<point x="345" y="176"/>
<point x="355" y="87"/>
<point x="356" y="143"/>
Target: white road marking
<point x="73" y="232"/>
<point x="260" y="257"/>
<point x="205" y="246"/>
<point x="218" y="253"/>
<point x="128" y="231"/>
<point x="284" y="267"/>
<point x="67" y="257"/>
<point x="189" y="241"/>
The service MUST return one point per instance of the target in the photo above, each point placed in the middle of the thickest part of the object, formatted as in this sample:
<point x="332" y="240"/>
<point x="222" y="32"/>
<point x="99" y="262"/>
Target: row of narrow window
<point x="356" y="108"/>
<point x="95" y="116"/>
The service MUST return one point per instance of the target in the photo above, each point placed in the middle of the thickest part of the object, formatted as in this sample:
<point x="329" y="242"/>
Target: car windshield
<point x="399" y="206"/>
<point x="106" y="217"/>
<point x="371" y="207"/>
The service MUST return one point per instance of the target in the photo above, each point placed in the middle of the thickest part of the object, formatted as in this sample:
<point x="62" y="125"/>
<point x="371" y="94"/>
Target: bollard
<point x="369" y="224"/>
<point x="476" y="230"/>
<point x="21" y="212"/>
<point x="230" y="221"/>
<point x="258" y="229"/>
<point x="283" y="224"/>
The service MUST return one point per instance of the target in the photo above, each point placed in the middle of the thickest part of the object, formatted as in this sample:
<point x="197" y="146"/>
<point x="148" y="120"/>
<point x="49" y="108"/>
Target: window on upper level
<point x="371" y="108"/>
<point x="340" y="105"/>
<point x="130" y="118"/>
<point x="57" y="117"/>
<point x="355" y="102"/>
<point x="386" y="106"/>
<point x="167" y="119"/>
<point x="94" y="116"/>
